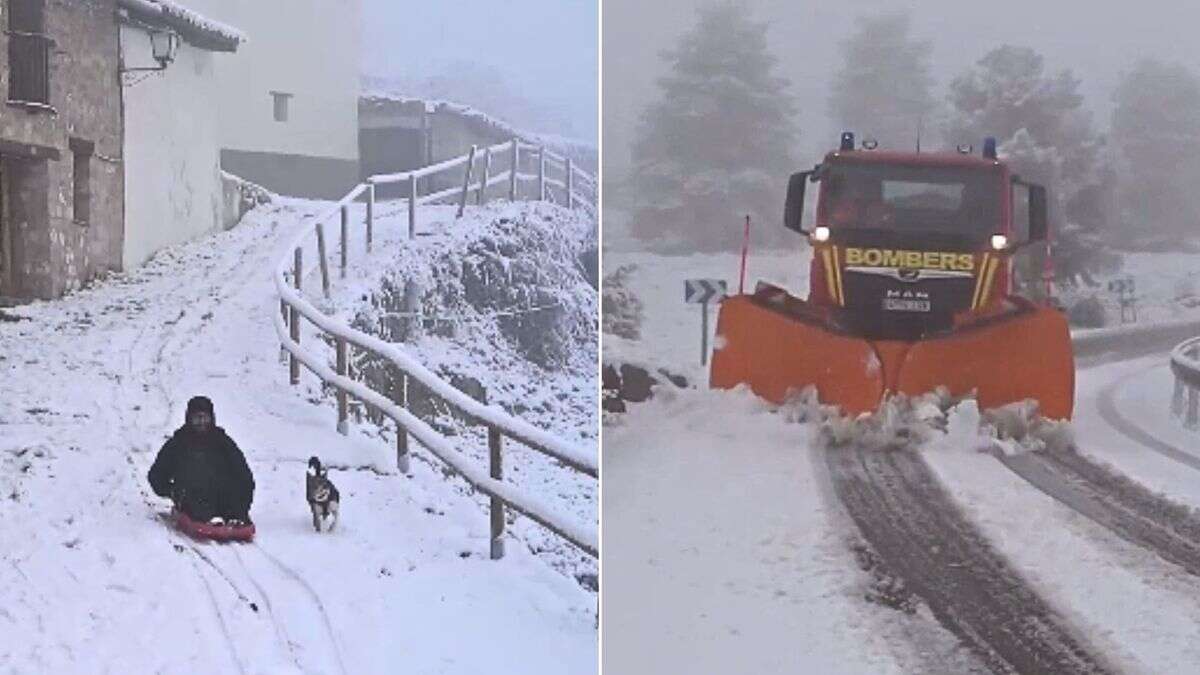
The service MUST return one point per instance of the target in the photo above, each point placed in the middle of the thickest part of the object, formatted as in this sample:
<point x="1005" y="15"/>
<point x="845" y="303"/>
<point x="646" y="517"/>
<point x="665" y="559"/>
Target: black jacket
<point x="204" y="462"/>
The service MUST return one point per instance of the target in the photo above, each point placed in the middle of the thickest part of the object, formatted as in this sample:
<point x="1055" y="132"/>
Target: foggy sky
<point x="1097" y="41"/>
<point x="547" y="49"/>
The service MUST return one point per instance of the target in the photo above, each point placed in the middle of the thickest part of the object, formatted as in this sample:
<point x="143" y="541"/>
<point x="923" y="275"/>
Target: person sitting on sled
<point x="203" y="470"/>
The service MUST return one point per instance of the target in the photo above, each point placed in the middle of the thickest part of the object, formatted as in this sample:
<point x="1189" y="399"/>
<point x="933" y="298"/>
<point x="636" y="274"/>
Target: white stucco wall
<point x="307" y="48"/>
<point x="172" y="151"/>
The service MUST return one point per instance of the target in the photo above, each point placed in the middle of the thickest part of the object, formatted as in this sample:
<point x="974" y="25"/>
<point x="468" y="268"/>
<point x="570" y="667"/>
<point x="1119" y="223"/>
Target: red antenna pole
<point x="745" y="247"/>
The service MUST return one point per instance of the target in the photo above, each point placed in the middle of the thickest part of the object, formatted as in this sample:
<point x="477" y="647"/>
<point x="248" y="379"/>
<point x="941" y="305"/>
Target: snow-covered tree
<point x="883" y="89"/>
<point x="716" y="144"/>
<point x="1046" y="136"/>
<point x="1156" y="133"/>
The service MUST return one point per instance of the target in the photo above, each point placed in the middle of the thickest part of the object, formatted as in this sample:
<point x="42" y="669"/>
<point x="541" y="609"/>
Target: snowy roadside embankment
<point x="95" y="580"/>
<point x="723" y="551"/>
<point x="507" y="315"/>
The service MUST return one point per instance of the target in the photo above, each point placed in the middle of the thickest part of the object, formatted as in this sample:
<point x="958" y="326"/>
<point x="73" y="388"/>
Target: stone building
<point x="60" y="146"/>
<point x="398" y="133"/>
<point x="108" y="142"/>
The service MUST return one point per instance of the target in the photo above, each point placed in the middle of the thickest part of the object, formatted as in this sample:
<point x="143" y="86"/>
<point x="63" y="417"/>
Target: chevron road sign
<point x="700" y="291"/>
<point x="703" y="290"/>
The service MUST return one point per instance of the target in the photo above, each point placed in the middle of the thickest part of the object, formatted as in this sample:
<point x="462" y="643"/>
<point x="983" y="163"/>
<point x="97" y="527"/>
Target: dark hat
<point x="197" y="404"/>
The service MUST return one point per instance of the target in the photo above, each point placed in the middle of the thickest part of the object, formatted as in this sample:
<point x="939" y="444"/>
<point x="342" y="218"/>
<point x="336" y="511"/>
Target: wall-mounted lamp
<point x="163" y="46"/>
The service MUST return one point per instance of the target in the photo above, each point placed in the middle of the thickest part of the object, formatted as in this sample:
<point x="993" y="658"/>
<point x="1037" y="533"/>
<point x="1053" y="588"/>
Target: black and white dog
<point x="322" y="495"/>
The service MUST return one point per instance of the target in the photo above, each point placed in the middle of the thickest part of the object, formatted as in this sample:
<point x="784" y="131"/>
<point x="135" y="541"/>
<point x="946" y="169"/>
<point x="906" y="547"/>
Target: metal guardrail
<point x="1185" y="364"/>
<point x="477" y="168"/>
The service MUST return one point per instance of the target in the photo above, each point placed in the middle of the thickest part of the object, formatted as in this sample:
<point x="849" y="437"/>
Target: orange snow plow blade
<point x="1026" y="354"/>
<point x="776" y="355"/>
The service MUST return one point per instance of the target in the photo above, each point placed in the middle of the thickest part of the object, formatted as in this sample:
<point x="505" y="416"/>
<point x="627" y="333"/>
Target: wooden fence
<point x="529" y="172"/>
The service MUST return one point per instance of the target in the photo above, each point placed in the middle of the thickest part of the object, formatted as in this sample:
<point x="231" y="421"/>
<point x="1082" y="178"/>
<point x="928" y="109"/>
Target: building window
<point x="281" y="105"/>
<point x="28" y="52"/>
<point x="81" y="152"/>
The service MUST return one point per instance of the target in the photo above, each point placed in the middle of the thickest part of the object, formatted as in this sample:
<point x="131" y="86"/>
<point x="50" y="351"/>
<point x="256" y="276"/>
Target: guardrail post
<point x="298" y="274"/>
<point x="495" y="441"/>
<point x="370" y="215"/>
<point x="512" y="175"/>
<point x="480" y="197"/>
<point x="343" y="424"/>
<point x="570" y="192"/>
<point x="1177" y="398"/>
<point x="321" y="259"/>
<point x="345" y="238"/>
<point x="462" y="203"/>
<point x="542" y="173"/>
<point x="401" y="396"/>
<point x="1193" y="411"/>
<point x="412" y="205"/>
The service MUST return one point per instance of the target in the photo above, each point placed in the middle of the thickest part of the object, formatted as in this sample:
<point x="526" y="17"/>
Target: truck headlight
<point x="821" y="233"/>
<point x="999" y="242"/>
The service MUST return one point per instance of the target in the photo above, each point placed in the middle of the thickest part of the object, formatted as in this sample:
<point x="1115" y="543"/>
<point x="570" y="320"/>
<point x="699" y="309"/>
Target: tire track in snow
<point x="315" y="597"/>
<point x="1107" y="406"/>
<point x="1120" y="505"/>
<point x="923" y="538"/>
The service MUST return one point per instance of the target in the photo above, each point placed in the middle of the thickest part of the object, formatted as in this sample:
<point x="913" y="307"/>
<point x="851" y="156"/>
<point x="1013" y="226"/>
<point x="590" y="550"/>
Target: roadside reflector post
<point x="321" y="258"/>
<point x="541" y="173"/>
<point x="701" y="291"/>
<point x="1193" y="411"/>
<point x="745" y="249"/>
<point x="570" y="185"/>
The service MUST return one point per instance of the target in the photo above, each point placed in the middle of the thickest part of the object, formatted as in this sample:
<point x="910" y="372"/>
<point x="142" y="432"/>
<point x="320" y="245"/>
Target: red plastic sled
<point x="198" y="530"/>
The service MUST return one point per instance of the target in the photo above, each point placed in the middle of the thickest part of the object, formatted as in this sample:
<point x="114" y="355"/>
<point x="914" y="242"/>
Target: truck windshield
<point x="961" y="201"/>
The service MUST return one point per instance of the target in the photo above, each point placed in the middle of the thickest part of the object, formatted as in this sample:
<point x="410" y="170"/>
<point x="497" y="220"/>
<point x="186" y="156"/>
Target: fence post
<point x="462" y="203"/>
<point x="542" y="173"/>
<point x="480" y="197"/>
<point x="497" y="508"/>
<point x="401" y="396"/>
<point x="570" y="193"/>
<point x="512" y="175"/>
<point x="412" y="205"/>
<point x="298" y="274"/>
<point x="370" y="215"/>
<point x="343" y="425"/>
<point x="283" y="352"/>
<point x="412" y="310"/>
<point x="345" y="237"/>
<point x="1193" y="412"/>
<point x="321" y="259"/>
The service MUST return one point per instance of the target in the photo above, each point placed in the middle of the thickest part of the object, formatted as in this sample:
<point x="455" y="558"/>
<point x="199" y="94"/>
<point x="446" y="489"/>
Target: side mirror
<point x="1038" y="229"/>
<point x="793" y="208"/>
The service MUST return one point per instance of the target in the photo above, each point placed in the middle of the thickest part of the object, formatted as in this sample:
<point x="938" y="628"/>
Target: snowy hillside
<point x="739" y="537"/>
<point x="95" y="581"/>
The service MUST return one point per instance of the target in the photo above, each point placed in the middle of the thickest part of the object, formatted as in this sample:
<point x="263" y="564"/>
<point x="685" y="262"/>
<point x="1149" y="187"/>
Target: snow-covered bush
<point x="621" y="309"/>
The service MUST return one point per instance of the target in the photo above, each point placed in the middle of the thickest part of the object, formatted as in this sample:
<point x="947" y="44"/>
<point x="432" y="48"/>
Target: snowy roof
<point x="193" y="27"/>
<point x="499" y="126"/>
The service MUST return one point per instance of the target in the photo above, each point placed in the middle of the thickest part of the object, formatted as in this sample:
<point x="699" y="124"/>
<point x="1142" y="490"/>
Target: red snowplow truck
<point x="910" y="289"/>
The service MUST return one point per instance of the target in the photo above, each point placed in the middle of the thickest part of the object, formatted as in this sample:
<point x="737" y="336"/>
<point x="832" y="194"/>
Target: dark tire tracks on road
<point x="923" y="538"/>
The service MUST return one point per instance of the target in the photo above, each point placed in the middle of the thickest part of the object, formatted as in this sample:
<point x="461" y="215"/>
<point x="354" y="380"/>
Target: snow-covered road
<point x="94" y="581"/>
<point x="695" y="479"/>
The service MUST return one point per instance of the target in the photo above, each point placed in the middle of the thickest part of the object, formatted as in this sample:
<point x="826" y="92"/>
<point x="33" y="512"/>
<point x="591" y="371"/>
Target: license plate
<point x="905" y="305"/>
